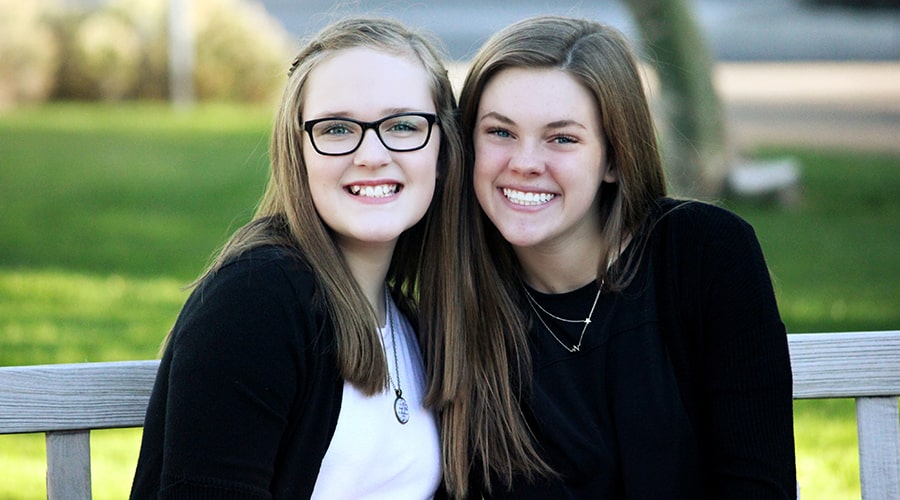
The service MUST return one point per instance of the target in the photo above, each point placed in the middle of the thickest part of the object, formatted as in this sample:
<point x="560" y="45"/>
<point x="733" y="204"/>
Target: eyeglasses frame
<point x="430" y="118"/>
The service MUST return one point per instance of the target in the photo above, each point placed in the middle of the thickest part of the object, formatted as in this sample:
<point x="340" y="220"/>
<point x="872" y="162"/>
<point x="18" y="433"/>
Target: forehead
<point x="538" y="93"/>
<point x="365" y="83"/>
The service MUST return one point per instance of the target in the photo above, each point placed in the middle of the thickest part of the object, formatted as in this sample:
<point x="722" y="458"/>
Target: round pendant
<point x="401" y="410"/>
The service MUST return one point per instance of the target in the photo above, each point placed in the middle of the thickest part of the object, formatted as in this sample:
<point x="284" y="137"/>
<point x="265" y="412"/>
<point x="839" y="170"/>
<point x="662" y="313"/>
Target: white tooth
<point x="527" y="199"/>
<point x="380" y="191"/>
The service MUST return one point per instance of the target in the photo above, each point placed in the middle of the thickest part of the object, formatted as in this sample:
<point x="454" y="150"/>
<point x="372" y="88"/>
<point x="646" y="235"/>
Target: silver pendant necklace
<point x="401" y="408"/>
<point x="587" y="321"/>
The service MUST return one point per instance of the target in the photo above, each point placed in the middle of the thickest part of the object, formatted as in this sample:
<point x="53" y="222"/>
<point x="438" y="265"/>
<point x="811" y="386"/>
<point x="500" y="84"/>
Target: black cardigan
<point x="682" y="387"/>
<point x="247" y="395"/>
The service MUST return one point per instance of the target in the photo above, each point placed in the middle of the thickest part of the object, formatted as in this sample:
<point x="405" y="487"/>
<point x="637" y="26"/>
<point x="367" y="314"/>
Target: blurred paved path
<point x="837" y="105"/>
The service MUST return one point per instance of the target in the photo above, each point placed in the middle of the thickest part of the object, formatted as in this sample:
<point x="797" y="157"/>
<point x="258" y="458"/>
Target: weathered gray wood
<point x="845" y="365"/>
<point x="69" y="465"/>
<point x="879" y="447"/>
<point x="74" y="396"/>
<point x="60" y="399"/>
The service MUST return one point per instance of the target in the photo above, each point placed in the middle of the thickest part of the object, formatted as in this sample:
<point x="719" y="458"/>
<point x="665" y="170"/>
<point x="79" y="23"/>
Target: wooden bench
<point x="67" y="401"/>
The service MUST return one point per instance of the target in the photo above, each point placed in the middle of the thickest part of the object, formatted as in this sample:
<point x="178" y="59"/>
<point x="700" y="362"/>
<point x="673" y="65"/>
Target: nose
<point x="526" y="159"/>
<point x="371" y="152"/>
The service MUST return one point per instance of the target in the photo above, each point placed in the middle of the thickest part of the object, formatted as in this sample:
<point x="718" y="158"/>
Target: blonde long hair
<point x="425" y="254"/>
<point x="488" y="428"/>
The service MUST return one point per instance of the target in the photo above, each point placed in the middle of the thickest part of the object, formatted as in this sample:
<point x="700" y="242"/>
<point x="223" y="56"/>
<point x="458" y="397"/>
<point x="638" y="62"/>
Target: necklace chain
<point x="401" y="409"/>
<point x="587" y="321"/>
<point x="390" y="312"/>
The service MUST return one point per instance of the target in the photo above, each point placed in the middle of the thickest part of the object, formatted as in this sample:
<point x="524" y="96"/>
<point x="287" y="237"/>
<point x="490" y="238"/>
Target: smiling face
<point x="540" y="156"/>
<point x="373" y="194"/>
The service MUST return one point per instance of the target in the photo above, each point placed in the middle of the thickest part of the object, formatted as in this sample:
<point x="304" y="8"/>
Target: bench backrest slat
<point x="61" y="397"/>
<point x="845" y="365"/>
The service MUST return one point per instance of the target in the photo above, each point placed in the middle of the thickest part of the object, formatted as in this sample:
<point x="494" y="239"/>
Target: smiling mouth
<point x="378" y="191"/>
<point x="527" y="199"/>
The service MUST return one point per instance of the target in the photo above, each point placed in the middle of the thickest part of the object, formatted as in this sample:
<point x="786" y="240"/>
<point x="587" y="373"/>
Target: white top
<point x="372" y="455"/>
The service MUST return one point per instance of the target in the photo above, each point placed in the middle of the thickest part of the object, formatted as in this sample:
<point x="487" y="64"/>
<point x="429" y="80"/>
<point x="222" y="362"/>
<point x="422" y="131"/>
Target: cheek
<point x="421" y="173"/>
<point x="483" y="183"/>
<point x="489" y="158"/>
<point x="323" y="178"/>
<point x="483" y="172"/>
<point x="436" y="159"/>
<point x="427" y="165"/>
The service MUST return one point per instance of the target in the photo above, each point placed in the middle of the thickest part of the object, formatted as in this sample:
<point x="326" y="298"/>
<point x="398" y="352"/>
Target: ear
<point x="611" y="175"/>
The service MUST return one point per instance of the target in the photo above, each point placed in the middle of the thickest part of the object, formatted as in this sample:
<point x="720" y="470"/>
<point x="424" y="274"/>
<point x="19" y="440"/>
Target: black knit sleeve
<point x="740" y="346"/>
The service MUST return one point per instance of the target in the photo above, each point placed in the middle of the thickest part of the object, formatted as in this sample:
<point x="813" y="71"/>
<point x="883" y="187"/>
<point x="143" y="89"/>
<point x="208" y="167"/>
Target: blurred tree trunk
<point x="691" y="122"/>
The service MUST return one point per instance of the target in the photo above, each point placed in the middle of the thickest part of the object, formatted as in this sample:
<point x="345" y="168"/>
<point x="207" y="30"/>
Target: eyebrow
<point x="552" y="125"/>
<point x="565" y="123"/>
<point x="497" y="116"/>
<point x="384" y="112"/>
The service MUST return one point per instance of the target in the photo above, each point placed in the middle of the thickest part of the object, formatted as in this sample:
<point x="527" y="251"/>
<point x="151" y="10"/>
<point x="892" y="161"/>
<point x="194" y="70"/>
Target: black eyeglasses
<point x="341" y="136"/>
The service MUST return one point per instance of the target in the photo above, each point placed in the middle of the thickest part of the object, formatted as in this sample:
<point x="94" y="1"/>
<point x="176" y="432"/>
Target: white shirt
<point x="372" y="455"/>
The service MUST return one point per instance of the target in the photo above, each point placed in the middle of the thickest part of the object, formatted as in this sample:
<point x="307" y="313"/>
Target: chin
<point x="379" y="238"/>
<point x="377" y="235"/>
<point x="519" y="240"/>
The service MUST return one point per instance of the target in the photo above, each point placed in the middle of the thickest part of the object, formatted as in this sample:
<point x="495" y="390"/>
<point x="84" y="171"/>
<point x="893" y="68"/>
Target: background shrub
<point x="149" y="20"/>
<point x="102" y="56"/>
<point x="29" y="51"/>
<point x="120" y="51"/>
<point x="242" y="52"/>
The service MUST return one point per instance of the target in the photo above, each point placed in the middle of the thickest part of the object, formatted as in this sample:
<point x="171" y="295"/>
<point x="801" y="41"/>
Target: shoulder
<point x="262" y="301"/>
<point x="701" y="238"/>
<point x="263" y="270"/>
<point x="698" y="221"/>
<point x="269" y="286"/>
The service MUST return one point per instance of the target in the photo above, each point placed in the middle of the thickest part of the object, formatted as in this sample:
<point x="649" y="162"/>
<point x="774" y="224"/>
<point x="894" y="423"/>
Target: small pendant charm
<point x="401" y="409"/>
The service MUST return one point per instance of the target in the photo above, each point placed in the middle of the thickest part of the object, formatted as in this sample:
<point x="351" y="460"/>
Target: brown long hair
<point x="487" y="428"/>
<point x="424" y="254"/>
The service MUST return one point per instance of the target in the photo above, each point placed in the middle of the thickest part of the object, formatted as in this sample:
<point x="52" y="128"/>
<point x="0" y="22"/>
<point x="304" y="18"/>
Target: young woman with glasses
<point x="644" y="355"/>
<point x="294" y="369"/>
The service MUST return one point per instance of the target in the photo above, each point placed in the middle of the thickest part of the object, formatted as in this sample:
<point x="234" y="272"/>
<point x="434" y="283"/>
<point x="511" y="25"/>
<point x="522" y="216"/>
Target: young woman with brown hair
<point x="643" y="354"/>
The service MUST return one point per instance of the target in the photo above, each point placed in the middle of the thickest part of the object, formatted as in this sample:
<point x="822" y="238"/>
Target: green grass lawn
<point x="108" y="211"/>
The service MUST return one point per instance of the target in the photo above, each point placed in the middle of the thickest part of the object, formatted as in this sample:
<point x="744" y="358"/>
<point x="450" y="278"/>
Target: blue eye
<point x="336" y="129"/>
<point x="564" y="139"/>
<point x="499" y="132"/>
<point x="403" y="127"/>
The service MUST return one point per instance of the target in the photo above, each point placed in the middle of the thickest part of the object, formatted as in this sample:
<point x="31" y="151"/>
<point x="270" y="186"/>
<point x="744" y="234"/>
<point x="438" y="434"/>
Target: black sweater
<point x="682" y="386"/>
<point x="247" y="394"/>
